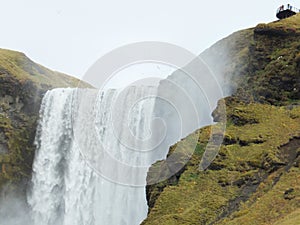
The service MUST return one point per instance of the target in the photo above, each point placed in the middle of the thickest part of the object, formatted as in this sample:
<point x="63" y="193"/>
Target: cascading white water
<point x="94" y="148"/>
<point x="90" y="167"/>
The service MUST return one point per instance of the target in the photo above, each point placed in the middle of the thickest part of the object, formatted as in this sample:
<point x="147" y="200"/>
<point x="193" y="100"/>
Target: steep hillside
<point x="255" y="179"/>
<point x="261" y="63"/>
<point x="22" y="85"/>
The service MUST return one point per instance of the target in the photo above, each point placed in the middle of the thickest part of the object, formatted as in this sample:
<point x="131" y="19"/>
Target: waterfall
<point x="93" y="152"/>
<point x="94" y="148"/>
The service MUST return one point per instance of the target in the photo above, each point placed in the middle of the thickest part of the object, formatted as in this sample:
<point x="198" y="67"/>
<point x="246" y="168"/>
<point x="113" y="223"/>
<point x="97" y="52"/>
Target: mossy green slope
<point x="255" y="179"/>
<point x="246" y="183"/>
<point x="18" y="65"/>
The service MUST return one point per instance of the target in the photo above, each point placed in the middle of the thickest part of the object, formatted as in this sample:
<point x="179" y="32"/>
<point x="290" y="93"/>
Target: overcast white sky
<point x="70" y="35"/>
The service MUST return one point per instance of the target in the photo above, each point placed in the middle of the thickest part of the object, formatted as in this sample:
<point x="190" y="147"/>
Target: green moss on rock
<point x="22" y="86"/>
<point x="227" y="188"/>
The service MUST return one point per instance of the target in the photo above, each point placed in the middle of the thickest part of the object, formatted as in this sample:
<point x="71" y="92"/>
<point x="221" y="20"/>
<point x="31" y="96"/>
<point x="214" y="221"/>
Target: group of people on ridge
<point x="281" y="8"/>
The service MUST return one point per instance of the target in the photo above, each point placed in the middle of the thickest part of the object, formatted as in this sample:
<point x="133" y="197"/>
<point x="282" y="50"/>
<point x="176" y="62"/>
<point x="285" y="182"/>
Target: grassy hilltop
<point x="255" y="178"/>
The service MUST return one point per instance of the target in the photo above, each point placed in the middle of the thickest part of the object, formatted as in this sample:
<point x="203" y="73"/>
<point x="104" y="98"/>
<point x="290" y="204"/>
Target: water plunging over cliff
<point x="103" y="183"/>
<point x="94" y="148"/>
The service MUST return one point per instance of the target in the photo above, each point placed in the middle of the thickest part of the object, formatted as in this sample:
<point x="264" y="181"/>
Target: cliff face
<point x="22" y="85"/>
<point x="255" y="179"/>
<point x="260" y="64"/>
